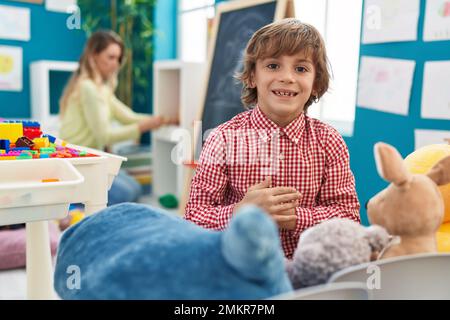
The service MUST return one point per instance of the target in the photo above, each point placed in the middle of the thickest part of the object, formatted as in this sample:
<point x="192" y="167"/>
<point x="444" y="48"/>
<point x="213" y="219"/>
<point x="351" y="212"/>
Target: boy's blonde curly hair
<point x="285" y="37"/>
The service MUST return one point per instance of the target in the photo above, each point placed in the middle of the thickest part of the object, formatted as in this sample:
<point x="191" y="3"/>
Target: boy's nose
<point x="287" y="76"/>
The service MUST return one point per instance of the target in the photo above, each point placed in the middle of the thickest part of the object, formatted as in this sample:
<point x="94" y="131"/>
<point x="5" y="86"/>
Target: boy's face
<point x="284" y="85"/>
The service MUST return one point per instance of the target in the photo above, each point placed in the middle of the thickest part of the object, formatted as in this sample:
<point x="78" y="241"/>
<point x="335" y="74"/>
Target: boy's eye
<point x="272" y="66"/>
<point x="301" y="69"/>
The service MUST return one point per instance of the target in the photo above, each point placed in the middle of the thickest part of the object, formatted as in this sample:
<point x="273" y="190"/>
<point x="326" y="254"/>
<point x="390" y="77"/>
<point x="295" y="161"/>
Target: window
<point x="194" y="19"/>
<point x="339" y="23"/>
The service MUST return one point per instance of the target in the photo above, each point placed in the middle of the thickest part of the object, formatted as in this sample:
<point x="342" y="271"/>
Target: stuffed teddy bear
<point x="420" y="162"/>
<point x="411" y="207"/>
<point x="132" y="251"/>
<point x="331" y="246"/>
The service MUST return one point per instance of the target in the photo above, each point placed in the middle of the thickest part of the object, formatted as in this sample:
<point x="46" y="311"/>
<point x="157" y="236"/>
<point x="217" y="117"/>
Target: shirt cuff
<point x="224" y="217"/>
<point x="305" y="220"/>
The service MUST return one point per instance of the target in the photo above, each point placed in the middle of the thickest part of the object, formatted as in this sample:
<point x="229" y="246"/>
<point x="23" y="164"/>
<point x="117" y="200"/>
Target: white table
<point x="34" y="207"/>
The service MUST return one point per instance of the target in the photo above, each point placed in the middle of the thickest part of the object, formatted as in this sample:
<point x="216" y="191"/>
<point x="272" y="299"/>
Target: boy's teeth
<point x="279" y="93"/>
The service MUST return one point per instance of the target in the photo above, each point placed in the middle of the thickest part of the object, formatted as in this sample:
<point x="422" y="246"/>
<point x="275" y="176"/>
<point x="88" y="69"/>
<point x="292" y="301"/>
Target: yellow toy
<point x="41" y="143"/>
<point x="11" y="131"/>
<point x="419" y="162"/>
<point x="76" y="216"/>
<point x="72" y="218"/>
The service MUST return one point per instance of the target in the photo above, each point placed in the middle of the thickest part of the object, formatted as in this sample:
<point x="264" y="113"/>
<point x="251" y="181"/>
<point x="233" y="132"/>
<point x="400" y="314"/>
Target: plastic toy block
<point x="47" y="150"/>
<point x="20" y="149"/>
<point x="7" y="158"/>
<point x="52" y="139"/>
<point x="41" y="143"/>
<point x="24" y="142"/>
<point x="32" y="133"/>
<point x="5" y="145"/>
<point x="44" y="155"/>
<point x="31" y="124"/>
<point x="50" y="180"/>
<point x="14" y="153"/>
<point x="24" y="156"/>
<point x="11" y="131"/>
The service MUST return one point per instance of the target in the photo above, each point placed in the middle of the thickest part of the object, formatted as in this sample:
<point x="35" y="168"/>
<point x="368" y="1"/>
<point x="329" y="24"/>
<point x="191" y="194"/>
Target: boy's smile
<point x="284" y="85"/>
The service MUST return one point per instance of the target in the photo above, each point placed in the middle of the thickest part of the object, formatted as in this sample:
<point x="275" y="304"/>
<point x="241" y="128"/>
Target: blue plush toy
<point x="132" y="251"/>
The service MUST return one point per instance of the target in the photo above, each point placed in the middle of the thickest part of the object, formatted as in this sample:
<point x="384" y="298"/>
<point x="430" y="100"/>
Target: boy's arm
<point x="337" y="198"/>
<point x="205" y="206"/>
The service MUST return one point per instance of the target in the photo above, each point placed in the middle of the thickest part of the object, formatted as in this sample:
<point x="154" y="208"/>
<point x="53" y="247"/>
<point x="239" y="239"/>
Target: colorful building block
<point x="52" y="139"/>
<point x="41" y="143"/>
<point x="5" y="145"/>
<point x="24" y="142"/>
<point x="11" y="131"/>
<point x="32" y="133"/>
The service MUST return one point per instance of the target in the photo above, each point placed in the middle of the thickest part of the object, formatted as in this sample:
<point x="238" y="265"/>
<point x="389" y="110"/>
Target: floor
<point x="13" y="282"/>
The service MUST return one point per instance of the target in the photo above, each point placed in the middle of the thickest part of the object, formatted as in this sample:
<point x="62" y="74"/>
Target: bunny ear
<point x="390" y="164"/>
<point x="440" y="172"/>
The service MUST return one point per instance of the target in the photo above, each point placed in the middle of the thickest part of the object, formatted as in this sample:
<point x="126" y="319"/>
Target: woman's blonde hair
<point x="286" y="37"/>
<point x="87" y="69"/>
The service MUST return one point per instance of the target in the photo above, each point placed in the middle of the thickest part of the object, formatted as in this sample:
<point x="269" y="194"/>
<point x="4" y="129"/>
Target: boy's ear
<point x="251" y="82"/>
<point x="390" y="164"/>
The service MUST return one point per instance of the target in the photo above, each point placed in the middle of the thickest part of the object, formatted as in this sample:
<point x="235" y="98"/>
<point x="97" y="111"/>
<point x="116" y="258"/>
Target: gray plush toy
<point x="331" y="246"/>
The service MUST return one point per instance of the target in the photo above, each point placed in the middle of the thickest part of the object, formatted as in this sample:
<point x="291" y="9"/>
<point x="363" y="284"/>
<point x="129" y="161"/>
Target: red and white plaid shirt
<point x="307" y="154"/>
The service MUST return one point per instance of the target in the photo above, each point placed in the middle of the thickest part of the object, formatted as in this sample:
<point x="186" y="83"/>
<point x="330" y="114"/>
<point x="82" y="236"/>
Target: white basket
<point x="25" y="198"/>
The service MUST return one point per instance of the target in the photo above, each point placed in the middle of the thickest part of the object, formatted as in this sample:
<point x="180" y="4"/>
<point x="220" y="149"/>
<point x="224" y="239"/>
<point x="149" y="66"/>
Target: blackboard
<point x="234" y="27"/>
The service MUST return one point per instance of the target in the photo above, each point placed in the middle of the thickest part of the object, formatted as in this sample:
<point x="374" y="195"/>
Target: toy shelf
<point x="177" y="91"/>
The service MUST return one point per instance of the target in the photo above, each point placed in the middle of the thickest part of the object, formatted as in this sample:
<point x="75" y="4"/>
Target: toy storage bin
<point x="23" y="195"/>
<point x="113" y="161"/>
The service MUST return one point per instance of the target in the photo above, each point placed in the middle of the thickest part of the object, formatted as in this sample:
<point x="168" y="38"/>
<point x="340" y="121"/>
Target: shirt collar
<point x="264" y="125"/>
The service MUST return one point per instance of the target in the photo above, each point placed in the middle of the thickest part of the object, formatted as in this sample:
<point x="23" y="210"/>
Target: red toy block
<point x="32" y="133"/>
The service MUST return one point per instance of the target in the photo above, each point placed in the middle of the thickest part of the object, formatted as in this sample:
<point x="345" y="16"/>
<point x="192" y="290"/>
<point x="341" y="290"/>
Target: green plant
<point x="132" y="20"/>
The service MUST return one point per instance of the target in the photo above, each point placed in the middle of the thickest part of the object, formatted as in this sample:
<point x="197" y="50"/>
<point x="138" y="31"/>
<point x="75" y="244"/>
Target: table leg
<point x="39" y="262"/>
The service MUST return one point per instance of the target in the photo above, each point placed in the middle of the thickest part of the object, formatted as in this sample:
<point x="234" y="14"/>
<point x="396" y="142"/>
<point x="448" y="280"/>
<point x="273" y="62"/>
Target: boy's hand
<point x="286" y="220"/>
<point x="278" y="202"/>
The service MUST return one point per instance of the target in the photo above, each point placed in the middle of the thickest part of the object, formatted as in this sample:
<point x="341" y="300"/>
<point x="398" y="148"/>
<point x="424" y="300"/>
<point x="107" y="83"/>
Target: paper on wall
<point x="437" y="20"/>
<point x="60" y="5"/>
<point x="385" y="84"/>
<point x="390" y="20"/>
<point x="426" y="137"/>
<point x="436" y="90"/>
<point x="10" y="68"/>
<point x="14" y="23"/>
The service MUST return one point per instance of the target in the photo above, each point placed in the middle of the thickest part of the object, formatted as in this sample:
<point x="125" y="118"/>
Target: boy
<point x="275" y="156"/>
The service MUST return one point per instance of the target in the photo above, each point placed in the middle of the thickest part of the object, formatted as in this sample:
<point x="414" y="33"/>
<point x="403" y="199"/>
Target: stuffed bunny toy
<point x="411" y="207"/>
<point x="331" y="246"/>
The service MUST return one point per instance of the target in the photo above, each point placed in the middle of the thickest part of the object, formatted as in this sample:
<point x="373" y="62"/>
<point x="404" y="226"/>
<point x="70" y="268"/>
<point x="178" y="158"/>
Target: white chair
<point x="420" y="276"/>
<point x="330" y="291"/>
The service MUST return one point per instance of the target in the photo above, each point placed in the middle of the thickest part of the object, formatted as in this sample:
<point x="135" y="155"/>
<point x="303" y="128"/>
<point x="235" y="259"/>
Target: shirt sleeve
<point x="123" y="113"/>
<point x="337" y="197"/>
<point x="205" y="206"/>
<point x="95" y="108"/>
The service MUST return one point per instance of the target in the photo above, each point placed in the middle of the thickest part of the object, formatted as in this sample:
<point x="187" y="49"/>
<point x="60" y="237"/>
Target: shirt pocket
<point x="306" y="176"/>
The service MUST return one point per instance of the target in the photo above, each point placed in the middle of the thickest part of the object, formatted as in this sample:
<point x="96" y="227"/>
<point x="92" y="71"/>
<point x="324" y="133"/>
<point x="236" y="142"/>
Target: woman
<point x="89" y="108"/>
